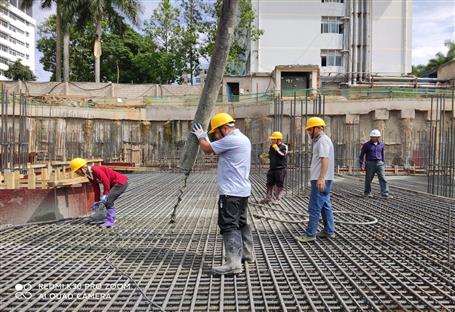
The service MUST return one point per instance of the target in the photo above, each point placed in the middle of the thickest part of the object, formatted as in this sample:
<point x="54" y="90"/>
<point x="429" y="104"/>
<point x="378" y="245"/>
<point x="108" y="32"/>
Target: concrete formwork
<point x="145" y="135"/>
<point x="22" y="206"/>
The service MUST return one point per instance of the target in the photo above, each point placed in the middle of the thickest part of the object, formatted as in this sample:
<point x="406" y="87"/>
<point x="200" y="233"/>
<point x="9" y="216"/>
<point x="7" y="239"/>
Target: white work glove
<point x="199" y="132"/>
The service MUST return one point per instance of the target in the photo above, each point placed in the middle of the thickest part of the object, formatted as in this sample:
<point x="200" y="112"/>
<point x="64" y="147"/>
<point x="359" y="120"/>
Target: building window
<point x="331" y="24"/>
<point x="11" y="51"/>
<point x="335" y="1"/>
<point x="4" y="61"/>
<point x="331" y="58"/>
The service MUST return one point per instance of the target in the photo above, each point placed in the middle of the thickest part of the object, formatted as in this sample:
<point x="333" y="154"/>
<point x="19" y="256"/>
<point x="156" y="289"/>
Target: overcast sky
<point x="433" y="23"/>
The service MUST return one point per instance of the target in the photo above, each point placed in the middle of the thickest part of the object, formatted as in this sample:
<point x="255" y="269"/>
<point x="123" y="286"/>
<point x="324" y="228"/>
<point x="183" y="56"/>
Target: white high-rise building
<point x="347" y="39"/>
<point x="17" y="36"/>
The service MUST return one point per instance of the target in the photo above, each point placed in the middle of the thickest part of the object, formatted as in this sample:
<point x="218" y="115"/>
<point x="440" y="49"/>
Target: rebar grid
<point x="400" y="263"/>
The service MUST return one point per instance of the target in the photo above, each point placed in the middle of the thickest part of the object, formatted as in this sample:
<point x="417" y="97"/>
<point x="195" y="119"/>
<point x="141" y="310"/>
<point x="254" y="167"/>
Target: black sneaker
<point x="325" y="235"/>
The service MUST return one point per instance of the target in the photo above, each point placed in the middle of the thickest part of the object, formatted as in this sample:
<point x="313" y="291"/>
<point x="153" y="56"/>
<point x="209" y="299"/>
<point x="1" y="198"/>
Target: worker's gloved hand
<point x="104" y="199"/>
<point x="275" y="147"/>
<point x="199" y="132"/>
<point x="96" y="205"/>
<point x="264" y="155"/>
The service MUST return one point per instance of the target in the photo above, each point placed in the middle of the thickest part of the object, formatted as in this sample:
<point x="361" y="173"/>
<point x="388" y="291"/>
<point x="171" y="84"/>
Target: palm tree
<point x="26" y="4"/>
<point x="69" y="11"/>
<point x="114" y="10"/>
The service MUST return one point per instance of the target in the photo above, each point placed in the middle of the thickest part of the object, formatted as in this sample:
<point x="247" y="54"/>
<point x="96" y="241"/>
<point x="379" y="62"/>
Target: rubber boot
<point x="279" y="192"/>
<point x="110" y="217"/>
<point x="248" y="249"/>
<point x="268" y="196"/>
<point x="233" y="247"/>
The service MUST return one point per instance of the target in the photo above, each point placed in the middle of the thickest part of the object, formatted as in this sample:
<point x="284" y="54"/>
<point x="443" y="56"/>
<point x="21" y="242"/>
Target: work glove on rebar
<point x="275" y="147"/>
<point x="96" y="205"/>
<point x="199" y="132"/>
<point x="104" y="199"/>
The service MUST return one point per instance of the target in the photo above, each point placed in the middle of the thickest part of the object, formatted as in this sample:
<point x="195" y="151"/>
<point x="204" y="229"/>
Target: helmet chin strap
<point x="221" y="132"/>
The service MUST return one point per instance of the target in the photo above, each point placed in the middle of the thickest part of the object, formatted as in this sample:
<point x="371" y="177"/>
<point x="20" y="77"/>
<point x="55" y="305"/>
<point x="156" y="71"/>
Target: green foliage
<point x="137" y="58"/>
<point x="173" y="42"/>
<point x="163" y="29"/>
<point x="244" y="32"/>
<point x="18" y="71"/>
<point x="437" y="61"/>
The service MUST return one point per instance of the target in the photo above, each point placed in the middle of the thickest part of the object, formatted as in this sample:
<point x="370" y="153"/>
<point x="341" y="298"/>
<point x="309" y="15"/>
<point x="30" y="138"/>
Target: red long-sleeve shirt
<point x="107" y="177"/>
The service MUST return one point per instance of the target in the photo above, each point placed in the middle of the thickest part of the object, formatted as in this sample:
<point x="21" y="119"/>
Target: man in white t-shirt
<point x="234" y="188"/>
<point x="322" y="172"/>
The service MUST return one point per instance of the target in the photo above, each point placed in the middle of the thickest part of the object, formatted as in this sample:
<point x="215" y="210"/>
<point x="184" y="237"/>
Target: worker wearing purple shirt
<point x="373" y="151"/>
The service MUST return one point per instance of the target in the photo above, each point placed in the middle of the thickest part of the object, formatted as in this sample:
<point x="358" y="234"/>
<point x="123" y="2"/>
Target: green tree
<point x="113" y="10"/>
<point x="437" y="61"/>
<point x="192" y="22"/>
<point x="45" y="4"/>
<point x="18" y="71"/>
<point x="164" y="30"/>
<point x="128" y="55"/>
<point x="244" y="33"/>
<point x="66" y="13"/>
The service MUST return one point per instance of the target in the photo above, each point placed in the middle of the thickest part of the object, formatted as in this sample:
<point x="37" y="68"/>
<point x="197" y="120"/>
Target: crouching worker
<point x="113" y="182"/>
<point x="234" y="187"/>
<point x="277" y="173"/>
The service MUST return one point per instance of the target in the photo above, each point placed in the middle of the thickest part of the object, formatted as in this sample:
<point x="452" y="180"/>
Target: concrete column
<point x="88" y="135"/>
<point x="247" y="124"/>
<point x="351" y="138"/>
<point x="66" y="88"/>
<point x="380" y="117"/>
<point x="352" y="119"/>
<point x="406" y="125"/>
<point x="113" y="90"/>
<point x="146" y="130"/>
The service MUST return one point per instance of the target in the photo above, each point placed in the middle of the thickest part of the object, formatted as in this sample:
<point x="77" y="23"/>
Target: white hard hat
<point x="375" y="133"/>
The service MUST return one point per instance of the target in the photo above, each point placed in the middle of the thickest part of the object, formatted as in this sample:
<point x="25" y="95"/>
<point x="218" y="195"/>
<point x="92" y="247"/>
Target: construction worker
<point x="113" y="182"/>
<point x="322" y="173"/>
<point x="276" y="175"/>
<point x="373" y="151"/>
<point x="234" y="188"/>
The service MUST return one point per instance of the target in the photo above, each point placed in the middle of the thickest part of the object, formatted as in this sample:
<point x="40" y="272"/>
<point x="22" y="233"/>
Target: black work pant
<point x="232" y="213"/>
<point x="276" y="177"/>
<point x="115" y="193"/>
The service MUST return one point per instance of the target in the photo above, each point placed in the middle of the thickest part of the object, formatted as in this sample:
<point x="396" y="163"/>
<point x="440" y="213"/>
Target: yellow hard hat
<point x="314" y="122"/>
<point x="219" y="120"/>
<point x="276" y="135"/>
<point x="77" y="163"/>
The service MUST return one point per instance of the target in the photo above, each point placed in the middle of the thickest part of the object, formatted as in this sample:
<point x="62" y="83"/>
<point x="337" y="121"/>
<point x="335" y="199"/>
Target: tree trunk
<point x="66" y="55"/>
<point x="58" y="39"/>
<point x="225" y="32"/>
<point x="98" y="55"/>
